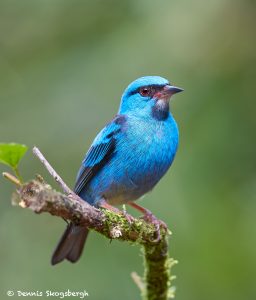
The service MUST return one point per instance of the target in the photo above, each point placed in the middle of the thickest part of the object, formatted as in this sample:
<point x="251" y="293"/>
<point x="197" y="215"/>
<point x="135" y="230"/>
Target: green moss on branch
<point x="40" y="197"/>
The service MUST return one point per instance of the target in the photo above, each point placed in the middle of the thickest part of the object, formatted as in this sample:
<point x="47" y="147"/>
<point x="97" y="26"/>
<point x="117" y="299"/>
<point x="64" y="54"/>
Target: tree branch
<point x="40" y="197"/>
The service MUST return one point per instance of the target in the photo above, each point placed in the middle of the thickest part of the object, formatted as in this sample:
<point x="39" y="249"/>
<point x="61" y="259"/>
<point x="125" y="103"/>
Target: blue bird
<point x="127" y="158"/>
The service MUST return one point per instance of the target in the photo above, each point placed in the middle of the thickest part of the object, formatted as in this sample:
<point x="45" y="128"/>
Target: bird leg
<point x="106" y="205"/>
<point x="150" y="218"/>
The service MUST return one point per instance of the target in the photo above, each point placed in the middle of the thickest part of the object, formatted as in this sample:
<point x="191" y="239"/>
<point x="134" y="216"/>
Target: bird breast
<point x="148" y="150"/>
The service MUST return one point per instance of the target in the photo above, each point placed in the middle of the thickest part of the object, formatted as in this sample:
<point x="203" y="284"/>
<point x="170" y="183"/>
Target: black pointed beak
<point x="171" y="90"/>
<point x="168" y="91"/>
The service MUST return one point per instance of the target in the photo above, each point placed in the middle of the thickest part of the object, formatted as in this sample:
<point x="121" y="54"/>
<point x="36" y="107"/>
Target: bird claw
<point x="150" y="218"/>
<point x="128" y="217"/>
<point x="123" y="212"/>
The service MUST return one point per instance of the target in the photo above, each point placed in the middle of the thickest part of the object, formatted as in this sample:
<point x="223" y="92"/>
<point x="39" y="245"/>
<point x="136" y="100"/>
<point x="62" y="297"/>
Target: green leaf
<point x="11" y="154"/>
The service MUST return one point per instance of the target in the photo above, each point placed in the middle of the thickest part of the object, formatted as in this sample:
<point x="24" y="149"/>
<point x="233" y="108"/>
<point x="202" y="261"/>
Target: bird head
<point x="148" y="95"/>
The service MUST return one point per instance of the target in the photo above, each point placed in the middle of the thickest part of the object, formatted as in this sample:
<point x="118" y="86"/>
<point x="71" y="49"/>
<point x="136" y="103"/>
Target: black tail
<point x="71" y="244"/>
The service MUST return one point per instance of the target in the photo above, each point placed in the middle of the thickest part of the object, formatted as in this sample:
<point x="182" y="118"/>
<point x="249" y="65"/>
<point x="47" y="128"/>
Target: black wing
<point x="96" y="158"/>
<point x="100" y="152"/>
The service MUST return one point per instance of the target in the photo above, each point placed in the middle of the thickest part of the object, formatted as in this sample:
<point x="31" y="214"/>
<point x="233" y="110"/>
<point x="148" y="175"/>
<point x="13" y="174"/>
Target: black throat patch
<point x="160" y="111"/>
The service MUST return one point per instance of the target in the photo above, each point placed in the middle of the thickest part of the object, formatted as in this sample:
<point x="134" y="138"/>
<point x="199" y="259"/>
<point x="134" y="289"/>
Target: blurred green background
<point x="63" y="68"/>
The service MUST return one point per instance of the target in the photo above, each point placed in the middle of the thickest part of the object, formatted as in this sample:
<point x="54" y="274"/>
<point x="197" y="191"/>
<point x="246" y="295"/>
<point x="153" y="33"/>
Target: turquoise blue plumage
<point x="128" y="157"/>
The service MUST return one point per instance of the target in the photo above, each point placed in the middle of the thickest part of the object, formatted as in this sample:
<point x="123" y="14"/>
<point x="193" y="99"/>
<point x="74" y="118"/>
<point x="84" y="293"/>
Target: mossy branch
<point x="41" y="197"/>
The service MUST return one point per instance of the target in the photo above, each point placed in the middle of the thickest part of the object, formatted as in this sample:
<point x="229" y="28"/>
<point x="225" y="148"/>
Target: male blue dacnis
<point x="127" y="158"/>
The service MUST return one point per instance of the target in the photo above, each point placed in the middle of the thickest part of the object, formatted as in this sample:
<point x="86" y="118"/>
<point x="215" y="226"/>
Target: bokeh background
<point x="63" y="67"/>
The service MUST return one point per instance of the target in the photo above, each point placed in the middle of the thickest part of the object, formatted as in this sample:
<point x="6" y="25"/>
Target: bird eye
<point x="144" y="91"/>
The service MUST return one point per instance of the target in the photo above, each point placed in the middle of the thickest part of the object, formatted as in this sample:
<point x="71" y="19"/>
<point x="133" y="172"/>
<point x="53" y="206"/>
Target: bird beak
<point x="167" y="92"/>
<point x="171" y="90"/>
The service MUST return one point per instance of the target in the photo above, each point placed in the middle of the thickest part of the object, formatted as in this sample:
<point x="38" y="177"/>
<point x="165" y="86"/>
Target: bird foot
<point x="128" y="217"/>
<point x="123" y="212"/>
<point x="150" y="218"/>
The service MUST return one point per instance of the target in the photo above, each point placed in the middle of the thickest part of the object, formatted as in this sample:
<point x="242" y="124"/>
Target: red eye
<point x="144" y="91"/>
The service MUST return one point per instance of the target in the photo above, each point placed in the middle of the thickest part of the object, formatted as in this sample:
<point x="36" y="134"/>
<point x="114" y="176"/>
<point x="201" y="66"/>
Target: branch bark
<point x="41" y="197"/>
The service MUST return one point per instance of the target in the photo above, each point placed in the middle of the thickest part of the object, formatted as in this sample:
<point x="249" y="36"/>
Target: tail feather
<point x="71" y="244"/>
<point x="77" y="249"/>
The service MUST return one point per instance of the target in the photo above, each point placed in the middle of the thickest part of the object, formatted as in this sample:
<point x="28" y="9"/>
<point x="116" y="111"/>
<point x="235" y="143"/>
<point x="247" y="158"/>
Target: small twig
<point x="12" y="178"/>
<point x="138" y="281"/>
<point x="52" y="172"/>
